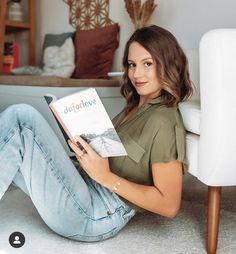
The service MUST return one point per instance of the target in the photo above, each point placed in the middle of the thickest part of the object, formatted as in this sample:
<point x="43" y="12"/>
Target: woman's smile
<point x="139" y="84"/>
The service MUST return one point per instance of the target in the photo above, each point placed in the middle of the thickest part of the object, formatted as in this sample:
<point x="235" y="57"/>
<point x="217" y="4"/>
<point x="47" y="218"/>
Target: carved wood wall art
<point x="89" y="14"/>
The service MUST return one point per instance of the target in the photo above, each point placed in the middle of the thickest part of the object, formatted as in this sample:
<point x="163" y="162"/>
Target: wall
<point x="188" y="20"/>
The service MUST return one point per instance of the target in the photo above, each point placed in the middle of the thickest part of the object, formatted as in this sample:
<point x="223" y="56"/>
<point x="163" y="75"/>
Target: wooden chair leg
<point x="213" y="218"/>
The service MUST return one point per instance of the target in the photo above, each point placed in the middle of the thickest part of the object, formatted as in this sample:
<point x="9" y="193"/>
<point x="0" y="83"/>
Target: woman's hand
<point x="95" y="166"/>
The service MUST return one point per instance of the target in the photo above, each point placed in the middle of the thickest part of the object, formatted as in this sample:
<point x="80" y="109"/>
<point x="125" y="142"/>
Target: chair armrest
<point x="190" y="111"/>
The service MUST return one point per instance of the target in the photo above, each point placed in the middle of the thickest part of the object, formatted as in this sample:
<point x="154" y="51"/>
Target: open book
<point x="83" y="114"/>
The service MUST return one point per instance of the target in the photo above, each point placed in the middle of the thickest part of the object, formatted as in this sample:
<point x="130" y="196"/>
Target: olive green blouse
<point x="153" y="134"/>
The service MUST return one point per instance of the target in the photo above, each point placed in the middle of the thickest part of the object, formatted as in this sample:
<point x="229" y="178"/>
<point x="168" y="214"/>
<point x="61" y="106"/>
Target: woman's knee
<point x="21" y="108"/>
<point x="22" y="112"/>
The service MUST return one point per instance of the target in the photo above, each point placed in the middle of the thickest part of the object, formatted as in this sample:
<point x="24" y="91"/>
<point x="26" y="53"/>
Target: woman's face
<point x="142" y="73"/>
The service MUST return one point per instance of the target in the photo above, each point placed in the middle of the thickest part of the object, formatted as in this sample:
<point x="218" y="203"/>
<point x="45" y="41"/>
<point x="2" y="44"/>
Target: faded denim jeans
<point x="68" y="200"/>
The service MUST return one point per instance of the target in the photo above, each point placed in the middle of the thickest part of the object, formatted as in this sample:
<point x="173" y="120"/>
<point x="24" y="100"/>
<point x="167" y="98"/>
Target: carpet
<point x="145" y="233"/>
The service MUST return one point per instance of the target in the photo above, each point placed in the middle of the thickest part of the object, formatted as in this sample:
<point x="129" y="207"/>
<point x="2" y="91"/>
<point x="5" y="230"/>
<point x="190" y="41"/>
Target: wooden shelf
<point x="16" y="26"/>
<point x="9" y="26"/>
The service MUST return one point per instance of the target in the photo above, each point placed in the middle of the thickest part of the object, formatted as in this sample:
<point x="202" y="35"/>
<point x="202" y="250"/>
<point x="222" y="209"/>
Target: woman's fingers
<point x="85" y="145"/>
<point x="75" y="148"/>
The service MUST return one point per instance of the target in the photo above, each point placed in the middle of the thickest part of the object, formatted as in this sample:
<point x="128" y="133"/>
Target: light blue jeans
<point x="68" y="200"/>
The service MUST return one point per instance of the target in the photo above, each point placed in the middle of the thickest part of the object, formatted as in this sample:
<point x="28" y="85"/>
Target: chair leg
<point x="213" y="218"/>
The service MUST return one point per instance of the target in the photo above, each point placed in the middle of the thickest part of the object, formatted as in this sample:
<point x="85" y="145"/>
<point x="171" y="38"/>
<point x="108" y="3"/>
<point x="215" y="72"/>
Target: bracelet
<point x="116" y="185"/>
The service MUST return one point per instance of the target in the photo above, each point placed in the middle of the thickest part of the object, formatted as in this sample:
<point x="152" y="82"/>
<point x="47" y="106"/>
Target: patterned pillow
<point x="59" y="61"/>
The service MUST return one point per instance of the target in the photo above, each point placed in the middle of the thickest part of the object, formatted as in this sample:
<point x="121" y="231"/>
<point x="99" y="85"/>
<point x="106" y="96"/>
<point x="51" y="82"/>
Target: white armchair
<point x="210" y="119"/>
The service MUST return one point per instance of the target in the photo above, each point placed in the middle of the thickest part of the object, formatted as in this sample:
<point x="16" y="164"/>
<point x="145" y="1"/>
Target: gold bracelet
<point x="116" y="185"/>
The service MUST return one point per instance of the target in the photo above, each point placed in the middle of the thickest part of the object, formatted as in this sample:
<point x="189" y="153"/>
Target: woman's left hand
<point x="96" y="166"/>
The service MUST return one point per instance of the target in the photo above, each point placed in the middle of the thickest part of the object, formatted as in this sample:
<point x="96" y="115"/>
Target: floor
<point x="146" y="233"/>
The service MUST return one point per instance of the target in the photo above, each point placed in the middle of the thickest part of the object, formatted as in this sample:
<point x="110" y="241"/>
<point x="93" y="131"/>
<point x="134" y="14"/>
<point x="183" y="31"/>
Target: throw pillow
<point x="56" y="39"/>
<point x="94" y="51"/>
<point x="59" y="61"/>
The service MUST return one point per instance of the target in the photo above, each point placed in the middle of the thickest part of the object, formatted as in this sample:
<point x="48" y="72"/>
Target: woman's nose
<point x="138" y="72"/>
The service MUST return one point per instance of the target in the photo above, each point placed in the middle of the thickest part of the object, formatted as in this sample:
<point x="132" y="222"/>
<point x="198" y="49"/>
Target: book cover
<point x="83" y="114"/>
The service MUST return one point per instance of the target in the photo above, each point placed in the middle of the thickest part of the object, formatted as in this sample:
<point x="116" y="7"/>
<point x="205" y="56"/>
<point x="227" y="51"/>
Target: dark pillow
<point x="94" y="51"/>
<point x="56" y="39"/>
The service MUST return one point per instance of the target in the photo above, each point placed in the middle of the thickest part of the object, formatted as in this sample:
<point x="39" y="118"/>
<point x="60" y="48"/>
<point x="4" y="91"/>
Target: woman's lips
<point x="140" y="84"/>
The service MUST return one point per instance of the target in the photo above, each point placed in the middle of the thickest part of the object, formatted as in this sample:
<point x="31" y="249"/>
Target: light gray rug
<point x="146" y="233"/>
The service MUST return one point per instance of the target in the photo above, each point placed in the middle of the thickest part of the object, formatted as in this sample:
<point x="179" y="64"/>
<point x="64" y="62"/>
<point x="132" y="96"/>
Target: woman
<point x="93" y="201"/>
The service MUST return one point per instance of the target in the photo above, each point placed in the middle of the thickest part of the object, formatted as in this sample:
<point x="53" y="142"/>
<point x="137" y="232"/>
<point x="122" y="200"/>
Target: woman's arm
<point x="162" y="198"/>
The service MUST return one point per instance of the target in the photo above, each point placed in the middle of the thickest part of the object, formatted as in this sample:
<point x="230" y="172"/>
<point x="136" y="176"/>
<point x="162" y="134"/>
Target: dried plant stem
<point x="140" y="13"/>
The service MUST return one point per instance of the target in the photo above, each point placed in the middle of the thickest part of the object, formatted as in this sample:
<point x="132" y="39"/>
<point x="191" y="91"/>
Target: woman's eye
<point x="147" y="64"/>
<point x="131" y="65"/>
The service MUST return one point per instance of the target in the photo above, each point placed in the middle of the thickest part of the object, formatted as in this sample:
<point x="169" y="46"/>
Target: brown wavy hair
<point x="171" y="63"/>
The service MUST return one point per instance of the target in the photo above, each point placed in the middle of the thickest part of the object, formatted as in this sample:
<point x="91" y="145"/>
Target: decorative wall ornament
<point x="139" y="13"/>
<point x="89" y="14"/>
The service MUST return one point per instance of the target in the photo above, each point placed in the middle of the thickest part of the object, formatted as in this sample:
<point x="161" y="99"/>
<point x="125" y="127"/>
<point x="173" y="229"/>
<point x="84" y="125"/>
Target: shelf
<point x="10" y="27"/>
<point x="14" y="26"/>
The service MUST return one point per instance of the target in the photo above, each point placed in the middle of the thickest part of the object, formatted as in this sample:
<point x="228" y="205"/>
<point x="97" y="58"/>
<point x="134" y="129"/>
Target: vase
<point x="15" y="11"/>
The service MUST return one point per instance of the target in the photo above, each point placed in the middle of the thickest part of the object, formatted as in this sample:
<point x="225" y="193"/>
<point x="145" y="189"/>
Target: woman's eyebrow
<point x="147" y="58"/>
<point x="144" y="59"/>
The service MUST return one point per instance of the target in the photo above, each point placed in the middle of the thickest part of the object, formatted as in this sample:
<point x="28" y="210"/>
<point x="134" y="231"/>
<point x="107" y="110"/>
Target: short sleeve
<point x="169" y="144"/>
